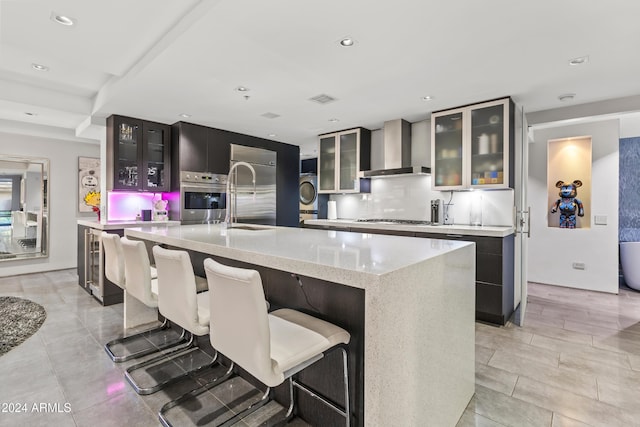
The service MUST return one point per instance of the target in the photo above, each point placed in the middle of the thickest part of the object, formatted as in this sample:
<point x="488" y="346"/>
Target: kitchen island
<point x="90" y="256"/>
<point x="412" y="354"/>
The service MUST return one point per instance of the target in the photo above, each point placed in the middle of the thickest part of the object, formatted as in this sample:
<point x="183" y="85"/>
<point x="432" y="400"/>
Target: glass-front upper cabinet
<point x="342" y="156"/>
<point x="489" y="153"/>
<point x="471" y="146"/>
<point x="156" y="157"/>
<point x="327" y="164"/>
<point x="137" y="155"/>
<point x="127" y="152"/>
<point x="447" y="150"/>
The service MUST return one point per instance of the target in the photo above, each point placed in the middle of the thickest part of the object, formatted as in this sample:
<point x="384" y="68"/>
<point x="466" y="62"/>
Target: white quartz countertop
<point x="353" y="259"/>
<point x="116" y="225"/>
<point x="488" y="231"/>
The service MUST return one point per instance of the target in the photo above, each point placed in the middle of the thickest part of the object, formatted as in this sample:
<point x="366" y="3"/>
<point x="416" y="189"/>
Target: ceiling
<point x="157" y="59"/>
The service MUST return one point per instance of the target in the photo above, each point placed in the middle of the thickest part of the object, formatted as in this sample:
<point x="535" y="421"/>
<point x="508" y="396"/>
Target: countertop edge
<point x="485" y="231"/>
<point x="116" y="225"/>
<point x="338" y="274"/>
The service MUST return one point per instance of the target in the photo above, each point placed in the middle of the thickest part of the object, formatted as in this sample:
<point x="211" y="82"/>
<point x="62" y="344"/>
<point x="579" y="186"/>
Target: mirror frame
<point x="43" y="211"/>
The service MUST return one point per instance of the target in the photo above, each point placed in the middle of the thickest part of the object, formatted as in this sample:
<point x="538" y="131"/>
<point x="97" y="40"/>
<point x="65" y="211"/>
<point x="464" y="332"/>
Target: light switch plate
<point x="600" y="220"/>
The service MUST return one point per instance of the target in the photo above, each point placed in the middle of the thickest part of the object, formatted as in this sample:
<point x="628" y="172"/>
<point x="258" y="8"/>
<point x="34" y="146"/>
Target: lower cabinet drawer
<point x="489" y="302"/>
<point x="489" y="268"/>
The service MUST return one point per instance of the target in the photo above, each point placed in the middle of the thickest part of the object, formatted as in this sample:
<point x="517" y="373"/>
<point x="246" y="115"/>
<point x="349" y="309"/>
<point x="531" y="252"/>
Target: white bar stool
<point x="127" y="265"/>
<point x="272" y="347"/>
<point x="181" y="304"/>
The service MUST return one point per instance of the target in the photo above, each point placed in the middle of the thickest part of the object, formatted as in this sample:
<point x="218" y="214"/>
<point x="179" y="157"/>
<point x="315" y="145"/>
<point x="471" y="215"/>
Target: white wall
<point x="553" y="250"/>
<point x="63" y="203"/>
<point x="630" y="125"/>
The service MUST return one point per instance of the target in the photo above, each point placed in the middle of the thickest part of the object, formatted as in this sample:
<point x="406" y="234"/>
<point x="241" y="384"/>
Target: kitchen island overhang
<point x="418" y="296"/>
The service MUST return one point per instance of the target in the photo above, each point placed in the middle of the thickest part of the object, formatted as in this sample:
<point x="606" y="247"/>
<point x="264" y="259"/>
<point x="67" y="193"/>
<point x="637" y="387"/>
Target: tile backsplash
<point x="409" y="197"/>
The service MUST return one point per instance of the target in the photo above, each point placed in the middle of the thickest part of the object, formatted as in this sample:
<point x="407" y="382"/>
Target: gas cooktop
<point x="394" y="221"/>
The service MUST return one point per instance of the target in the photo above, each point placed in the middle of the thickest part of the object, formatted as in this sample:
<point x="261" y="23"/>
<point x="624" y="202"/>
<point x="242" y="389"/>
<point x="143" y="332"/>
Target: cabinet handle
<point x="455" y="236"/>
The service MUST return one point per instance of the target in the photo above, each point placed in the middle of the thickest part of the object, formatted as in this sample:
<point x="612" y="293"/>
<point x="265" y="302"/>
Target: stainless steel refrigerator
<point x="261" y="207"/>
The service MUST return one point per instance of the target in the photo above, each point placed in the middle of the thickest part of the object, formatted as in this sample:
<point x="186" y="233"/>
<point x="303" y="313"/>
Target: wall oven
<point x="202" y="197"/>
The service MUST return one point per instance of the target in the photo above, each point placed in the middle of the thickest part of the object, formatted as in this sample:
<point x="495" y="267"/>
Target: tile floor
<point x="575" y="363"/>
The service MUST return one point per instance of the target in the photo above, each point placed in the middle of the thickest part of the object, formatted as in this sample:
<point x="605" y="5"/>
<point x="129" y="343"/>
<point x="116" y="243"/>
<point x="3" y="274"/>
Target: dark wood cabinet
<point x="494" y="274"/>
<point x="200" y="148"/>
<point x="138" y="155"/>
<point x="341" y="156"/>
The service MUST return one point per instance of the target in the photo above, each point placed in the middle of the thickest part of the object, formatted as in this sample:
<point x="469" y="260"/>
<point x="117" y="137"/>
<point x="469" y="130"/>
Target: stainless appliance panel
<point x="202" y="197"/>
<point x="308" y="189"/>
<point x="308" y="192"/>
<point x="258" y="208"/>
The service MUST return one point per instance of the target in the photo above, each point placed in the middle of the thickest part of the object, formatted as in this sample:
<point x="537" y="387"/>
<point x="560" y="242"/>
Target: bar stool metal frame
<point x="181" y="304"/>
<point x="116" y="271"/>
<point x="236" y="296"/>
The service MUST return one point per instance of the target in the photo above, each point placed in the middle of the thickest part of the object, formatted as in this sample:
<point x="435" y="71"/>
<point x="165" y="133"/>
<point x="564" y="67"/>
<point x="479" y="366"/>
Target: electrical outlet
<point x="578" y="265"/>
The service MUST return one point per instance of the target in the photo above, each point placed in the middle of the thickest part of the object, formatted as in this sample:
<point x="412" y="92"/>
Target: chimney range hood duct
<point x="397" y="151"/>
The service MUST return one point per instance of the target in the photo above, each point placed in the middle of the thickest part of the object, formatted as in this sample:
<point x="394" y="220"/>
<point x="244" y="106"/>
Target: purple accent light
<point x="124" y="206"/>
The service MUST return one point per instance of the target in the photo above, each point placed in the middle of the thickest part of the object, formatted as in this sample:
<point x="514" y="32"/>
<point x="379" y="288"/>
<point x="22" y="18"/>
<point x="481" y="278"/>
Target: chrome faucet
<point x="228" y="219"/>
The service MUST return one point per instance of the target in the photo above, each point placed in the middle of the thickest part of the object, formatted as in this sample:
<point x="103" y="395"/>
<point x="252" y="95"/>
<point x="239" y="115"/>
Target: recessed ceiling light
<point x="334" y="120"/>
<point x="579" y="60"/>
<point x="427" y="98"/>
<point x="242" y="89"/>
<point x="62" y="19"/>
<point x="185" y="116"/>
<point x="567" y="97"/>
<point x="347" y="41"/>
<point x="272" y="135"/>
<point x="39" y="67"/>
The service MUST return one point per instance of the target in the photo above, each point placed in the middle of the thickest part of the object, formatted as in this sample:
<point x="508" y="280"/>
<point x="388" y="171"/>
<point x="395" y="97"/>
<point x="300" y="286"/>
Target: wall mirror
<point x="24" y="223"/>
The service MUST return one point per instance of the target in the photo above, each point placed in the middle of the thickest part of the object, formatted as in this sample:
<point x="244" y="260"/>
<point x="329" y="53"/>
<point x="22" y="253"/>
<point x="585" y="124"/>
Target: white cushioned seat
<point x="268" y="346"/>
<point x="178" y="299"/>
<point x="138" y="272"/>
<point x="201" y="284"/>
<point x="127" y="265"/>
<point x="113" y="258"/>
<point x="297" y="337"/>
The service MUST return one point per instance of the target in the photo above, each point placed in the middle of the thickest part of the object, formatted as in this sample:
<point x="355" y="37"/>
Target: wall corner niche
<point x="24" y="211"/>
<point x="569" y="182"/>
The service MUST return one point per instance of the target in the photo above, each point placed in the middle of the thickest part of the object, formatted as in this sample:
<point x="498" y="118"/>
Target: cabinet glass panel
<point x="348" y="161"/>
<point x="327" y="163"/>
<point x="155" y="166"/>
<point x="127" y="162"/>
<point x="448" y="150"/>
<point x="487" y="145"/>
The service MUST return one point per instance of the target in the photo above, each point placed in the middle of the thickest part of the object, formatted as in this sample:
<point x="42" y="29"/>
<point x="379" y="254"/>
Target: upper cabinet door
<point x="138" y="155"/>
<point x="127" y="152"/>
<point x="490" y="144"/>
<point x="471" y="146"/>
<point x="327" y="163"/>
<point x="447" y="150"/>
<point x="156" y="157"/>
<point x="342" y="156"/>
<point x="349" y="161"/>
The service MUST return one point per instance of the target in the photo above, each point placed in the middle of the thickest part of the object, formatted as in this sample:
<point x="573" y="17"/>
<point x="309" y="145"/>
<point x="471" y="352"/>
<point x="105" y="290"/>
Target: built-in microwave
<point x="202" y="197"/>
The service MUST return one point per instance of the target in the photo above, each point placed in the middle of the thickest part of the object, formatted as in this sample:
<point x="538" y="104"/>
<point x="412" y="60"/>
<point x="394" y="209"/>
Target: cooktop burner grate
<point x="394" y="221"/>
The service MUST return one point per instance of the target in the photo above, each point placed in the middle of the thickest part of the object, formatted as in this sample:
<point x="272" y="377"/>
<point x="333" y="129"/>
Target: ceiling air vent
<point x="322" y="99"/>
<point x="270" y="115"/>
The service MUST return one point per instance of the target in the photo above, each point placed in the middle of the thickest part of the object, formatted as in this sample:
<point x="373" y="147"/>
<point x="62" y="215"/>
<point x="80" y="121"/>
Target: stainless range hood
<point x="397" y="151"/>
